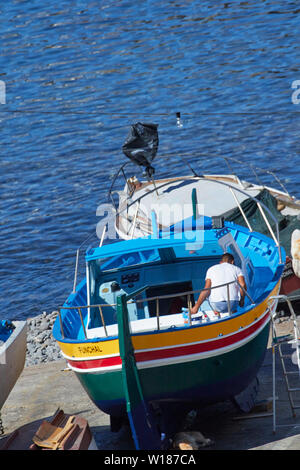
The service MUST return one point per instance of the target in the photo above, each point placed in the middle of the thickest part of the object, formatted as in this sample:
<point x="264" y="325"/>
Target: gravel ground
<point x="41" y="346"/>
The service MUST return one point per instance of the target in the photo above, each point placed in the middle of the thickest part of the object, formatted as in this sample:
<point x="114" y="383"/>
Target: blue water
<point x="79" y="73"/>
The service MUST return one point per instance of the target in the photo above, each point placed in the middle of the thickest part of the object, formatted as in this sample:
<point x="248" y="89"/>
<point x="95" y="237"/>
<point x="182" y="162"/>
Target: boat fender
<point x="295" y="251"/>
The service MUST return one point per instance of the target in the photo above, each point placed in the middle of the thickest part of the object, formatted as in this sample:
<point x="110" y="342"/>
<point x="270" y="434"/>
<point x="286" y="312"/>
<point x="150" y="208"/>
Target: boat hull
<point x="12" y="359"/>
<point x="207" y="372"/>
<point x="201" y="382"/>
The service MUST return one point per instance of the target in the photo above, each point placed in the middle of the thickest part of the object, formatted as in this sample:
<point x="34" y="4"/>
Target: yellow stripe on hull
<point x="103" y="348"/>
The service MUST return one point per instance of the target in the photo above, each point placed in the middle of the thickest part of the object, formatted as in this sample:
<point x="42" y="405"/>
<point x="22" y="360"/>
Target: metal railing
<point x="255" y="170"/>
<point x="156" y="299"/>
<point x="261" y="206"/>
<point x="277" y="342"/>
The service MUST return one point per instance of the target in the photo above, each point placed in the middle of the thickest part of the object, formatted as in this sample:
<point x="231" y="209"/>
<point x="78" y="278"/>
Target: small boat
<point x="13" y="344"/>
<point x="128" y="333"/>
<point x="163" y="188"/>
<point x="61" y="432"/>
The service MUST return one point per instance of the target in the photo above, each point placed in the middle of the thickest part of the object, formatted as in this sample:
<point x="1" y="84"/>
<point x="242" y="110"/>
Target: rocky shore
<point x="41" y="346"/>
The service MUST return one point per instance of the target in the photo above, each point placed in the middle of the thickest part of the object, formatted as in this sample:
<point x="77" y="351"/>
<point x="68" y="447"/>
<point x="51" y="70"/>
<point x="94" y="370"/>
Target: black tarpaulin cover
<point x="141" y="145"/>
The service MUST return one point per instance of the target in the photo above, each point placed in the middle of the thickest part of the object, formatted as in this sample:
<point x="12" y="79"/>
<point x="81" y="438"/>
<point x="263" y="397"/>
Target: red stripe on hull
<point x="96" y="363"/>
<point x="200" y="347"/>
<point x="173" y="352"/>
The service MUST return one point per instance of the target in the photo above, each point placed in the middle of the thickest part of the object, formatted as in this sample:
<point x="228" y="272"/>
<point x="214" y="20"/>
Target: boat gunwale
<point x="181" y="357"/>
<point x="173" y="346"/>
<point x="140" y="244"/>
<point x="208" y="325"/>
<point x="173" y="327"/>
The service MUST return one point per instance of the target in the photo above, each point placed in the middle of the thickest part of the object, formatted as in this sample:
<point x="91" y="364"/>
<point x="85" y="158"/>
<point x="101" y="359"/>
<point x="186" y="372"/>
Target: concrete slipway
<point x="41" y="389"/>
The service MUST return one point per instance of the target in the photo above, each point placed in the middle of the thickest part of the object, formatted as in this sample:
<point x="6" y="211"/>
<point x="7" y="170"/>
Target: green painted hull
<point x="201" y="381"/>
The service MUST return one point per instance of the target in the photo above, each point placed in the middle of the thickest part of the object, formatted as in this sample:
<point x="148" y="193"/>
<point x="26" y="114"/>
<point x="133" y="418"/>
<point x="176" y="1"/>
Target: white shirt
<point x="222" y="274"/>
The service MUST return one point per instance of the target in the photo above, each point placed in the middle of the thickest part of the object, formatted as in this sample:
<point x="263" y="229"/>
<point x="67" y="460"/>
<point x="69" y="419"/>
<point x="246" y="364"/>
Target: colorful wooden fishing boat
<point x="125" y="333"/>
<point x="13" y="336"/>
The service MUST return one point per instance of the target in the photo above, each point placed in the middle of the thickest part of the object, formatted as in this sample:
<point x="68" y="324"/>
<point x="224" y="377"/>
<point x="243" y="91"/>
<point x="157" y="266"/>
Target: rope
<point x="1" y="426"/>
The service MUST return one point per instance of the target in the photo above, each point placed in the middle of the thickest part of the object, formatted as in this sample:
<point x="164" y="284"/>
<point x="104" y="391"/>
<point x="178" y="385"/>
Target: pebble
<point x="41" y="346"/>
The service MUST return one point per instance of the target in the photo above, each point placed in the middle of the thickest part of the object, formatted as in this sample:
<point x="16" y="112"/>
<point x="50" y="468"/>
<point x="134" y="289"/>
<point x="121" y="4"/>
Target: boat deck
<point x="150" y="324"/>
<point x="176" y="196"/>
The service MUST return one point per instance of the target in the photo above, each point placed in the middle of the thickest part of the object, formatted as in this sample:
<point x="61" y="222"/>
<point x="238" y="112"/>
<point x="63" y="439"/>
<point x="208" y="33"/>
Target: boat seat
<point x="210" y="316"/>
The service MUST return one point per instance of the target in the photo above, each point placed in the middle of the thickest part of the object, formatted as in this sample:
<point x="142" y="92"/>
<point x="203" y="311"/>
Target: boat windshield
<point x="127" y="259"/>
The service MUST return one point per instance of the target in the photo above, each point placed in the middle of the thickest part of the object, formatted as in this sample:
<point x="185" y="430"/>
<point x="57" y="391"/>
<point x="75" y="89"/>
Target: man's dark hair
<point x="227" y="258"/>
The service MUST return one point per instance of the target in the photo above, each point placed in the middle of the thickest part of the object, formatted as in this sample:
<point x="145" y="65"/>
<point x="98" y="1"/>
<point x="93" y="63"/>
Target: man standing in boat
<point x="223" y="273"/>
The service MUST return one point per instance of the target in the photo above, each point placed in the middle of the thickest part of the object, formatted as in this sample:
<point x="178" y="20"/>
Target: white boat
<point x="139" y="199"/>
<point x="160" y="199"/>
<point x="12" y="356"/>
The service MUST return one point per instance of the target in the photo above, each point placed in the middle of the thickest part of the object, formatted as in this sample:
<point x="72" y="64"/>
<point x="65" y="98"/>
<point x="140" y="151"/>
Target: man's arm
<point x="243" y="285"/>
<point x="203" y="295"/>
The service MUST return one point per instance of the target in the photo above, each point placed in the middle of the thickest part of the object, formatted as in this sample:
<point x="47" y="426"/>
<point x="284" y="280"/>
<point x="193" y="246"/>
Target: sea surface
<point x="76" y="74"/>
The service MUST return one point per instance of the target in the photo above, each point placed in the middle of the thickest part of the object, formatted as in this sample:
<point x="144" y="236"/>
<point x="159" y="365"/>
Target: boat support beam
<point x="141" y="416"/>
